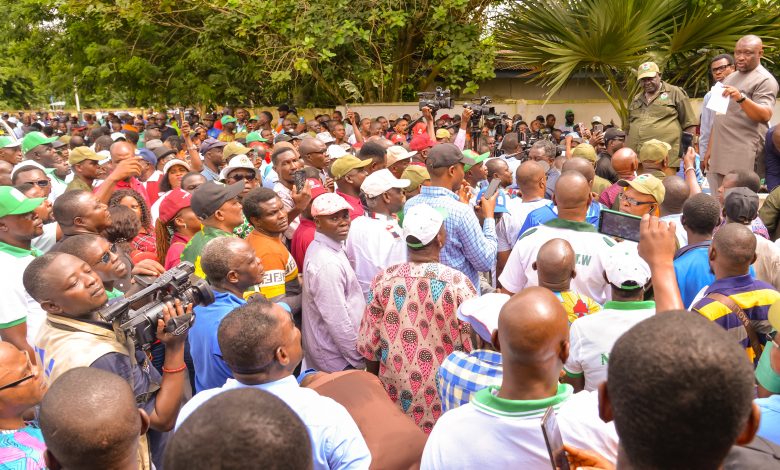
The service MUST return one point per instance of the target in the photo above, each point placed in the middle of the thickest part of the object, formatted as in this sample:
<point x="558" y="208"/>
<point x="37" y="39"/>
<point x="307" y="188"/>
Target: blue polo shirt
<point x="692" y="270"/>
<point x="210" y="370"/>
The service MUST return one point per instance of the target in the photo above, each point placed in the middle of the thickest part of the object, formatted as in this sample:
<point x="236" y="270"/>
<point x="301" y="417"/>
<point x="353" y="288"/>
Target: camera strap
<point x="729" y="303"/>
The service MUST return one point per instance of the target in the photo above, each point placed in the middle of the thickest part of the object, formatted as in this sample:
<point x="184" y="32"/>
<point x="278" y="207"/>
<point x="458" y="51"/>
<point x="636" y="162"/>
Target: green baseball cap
<point x="477" y="158"/>
<point x="647" y="184"/>
<point x="34" y="139"/>
<point x="13" y="202"/>
<point x="254" y="137"/>
<point x="227" y="118"/>
<point x="7" y="142"/>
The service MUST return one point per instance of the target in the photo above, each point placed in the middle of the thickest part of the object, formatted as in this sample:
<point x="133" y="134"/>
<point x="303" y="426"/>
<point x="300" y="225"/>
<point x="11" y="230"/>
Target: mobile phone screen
<point x="492" y="188"/>
<point x="554" y="440"/>
<point x="299" y="179"/>
<point x="619" y="224"/>
<point x="598" y="128"/>
<point x="685" y="143"/>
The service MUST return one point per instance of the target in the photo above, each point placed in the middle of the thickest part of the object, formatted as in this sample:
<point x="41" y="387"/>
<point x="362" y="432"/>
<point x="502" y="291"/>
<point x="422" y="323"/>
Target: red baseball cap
<point x="317" y="189"/>
<point x="398" y="139"/>
<point x="175" y="201"/>
<point x="420" y="142"/>
<point x="419" y="128"/>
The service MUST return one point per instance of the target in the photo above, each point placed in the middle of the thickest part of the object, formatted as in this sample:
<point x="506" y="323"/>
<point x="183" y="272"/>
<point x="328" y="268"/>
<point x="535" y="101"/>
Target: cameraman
<point x="71" y="293"/>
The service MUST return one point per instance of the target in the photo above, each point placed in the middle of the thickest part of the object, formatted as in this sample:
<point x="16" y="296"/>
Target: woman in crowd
<point x="176" y="224"/>
<point x="144" y="241"/>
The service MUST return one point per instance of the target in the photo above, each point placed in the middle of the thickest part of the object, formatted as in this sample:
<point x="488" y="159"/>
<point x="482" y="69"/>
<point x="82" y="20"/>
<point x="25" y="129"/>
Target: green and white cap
<point x="13" y="202"/>
<point x="422" y="222"/>
<point x="7" y="142"/>
<point x="626" y="270"/>
<point x="34" y="139"/>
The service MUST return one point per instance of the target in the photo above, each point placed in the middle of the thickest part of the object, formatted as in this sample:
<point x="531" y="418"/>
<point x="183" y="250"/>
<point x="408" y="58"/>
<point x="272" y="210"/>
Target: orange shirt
<point x="281" y="271"/>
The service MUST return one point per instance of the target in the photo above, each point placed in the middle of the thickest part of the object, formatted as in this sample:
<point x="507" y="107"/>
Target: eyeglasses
<point x="25" y="378"/>
<point x="242" y="176"/>
<point x="634" y="202"/>
<point x="41" y="183"/>
<point x="721" y="68"/>
<point x="107" y="255"/>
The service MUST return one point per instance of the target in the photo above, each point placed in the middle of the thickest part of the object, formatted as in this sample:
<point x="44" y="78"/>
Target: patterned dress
<point x="409" y="327"/>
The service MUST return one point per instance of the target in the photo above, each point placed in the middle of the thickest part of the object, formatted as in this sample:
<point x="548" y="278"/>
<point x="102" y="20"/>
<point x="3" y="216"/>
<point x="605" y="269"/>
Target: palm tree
<point x="608" y="39"/>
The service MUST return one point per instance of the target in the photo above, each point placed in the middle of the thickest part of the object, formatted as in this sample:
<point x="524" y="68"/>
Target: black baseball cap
<point x="613" y="133"/>
<point x="209" y="197"/>
<point x="741" y="205"/>
<point x="446" y="155"/>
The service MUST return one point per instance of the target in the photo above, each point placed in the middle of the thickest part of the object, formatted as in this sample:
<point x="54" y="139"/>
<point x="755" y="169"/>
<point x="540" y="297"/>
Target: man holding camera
<point x="74" y="335"/>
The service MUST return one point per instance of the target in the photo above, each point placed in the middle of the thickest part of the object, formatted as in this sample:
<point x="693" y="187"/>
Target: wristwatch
<point x="744" y="97"/>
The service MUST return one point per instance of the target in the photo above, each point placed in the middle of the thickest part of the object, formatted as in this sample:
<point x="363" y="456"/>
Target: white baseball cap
<point x="596" y="119"/>
<point x="396" y="153"/>
<point x="174" y="162"/>
<point x="626" y="270"/>
<point x="335" y="151"/>
<point x="381" y="181"/>
<point x="118" y="136"/>
<point x="325" y="137"/>
<point x="422" y="222"/>
<point x="482" y="313"/>
<point x="239" y="161"/>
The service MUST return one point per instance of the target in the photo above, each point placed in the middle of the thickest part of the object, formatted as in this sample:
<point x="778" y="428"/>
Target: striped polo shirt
<point x="754" y="297"/>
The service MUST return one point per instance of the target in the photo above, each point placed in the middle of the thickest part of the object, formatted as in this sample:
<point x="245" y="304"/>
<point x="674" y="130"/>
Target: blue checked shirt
<point x="469" y="248"/>
<point x="461" y="375"/>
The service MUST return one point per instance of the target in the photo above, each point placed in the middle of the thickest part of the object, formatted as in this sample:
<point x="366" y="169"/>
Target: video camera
<point x="436" y="100"/>
<point x="480" y="108"/>
<point x="140" y="324"/>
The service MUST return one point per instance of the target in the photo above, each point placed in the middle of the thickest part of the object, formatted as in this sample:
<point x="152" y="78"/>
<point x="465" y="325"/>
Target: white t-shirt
<point x="682" y="235"/>
<point x="587" y="244"/>
<point x="48" y="238"/>
<point x="16" y="305"/>
<point x="374" y="243"/>
<point x="493" y="433"/>
<point x="591" y="338"/>
<point x="508" y="229"/>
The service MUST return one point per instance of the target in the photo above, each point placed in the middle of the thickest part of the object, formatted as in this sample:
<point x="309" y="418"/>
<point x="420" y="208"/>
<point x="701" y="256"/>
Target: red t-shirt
<point x="301" y="240"/>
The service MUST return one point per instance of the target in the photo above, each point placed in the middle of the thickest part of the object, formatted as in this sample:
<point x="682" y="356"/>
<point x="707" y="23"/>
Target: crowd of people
<point x="392" y="292"/>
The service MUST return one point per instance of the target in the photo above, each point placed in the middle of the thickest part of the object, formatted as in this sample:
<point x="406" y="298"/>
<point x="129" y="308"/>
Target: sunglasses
<point x="41" y="183"/>
<point x="107" y="255"/>
<point x="242" y="176"/>
<point x="25" y="378"/>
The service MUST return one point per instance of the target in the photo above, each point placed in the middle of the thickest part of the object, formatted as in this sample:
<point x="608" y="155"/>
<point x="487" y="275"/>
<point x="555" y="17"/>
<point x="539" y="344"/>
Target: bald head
<point x="581" y="166"/>
<point x="555" y="264"/>
<point x="311" y="145"/>
<point x="625" y="162"/>
<point x="750" y="40"/>
<point x="735" y="248"/>
<point x="529" y="173"/>
<point x="572" y="192"/>
<point x="510" y="143"/>
<point x="533" y="330"/>
<point x="677" y="192"/>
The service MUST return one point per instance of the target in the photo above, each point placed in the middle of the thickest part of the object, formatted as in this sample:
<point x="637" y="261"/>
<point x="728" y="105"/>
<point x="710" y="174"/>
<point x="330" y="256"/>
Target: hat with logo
<point x="646" y="70"/>
<point x="420" y="142"/>
<point x="446" y="155"/>
<point x="153" y="144"/>
<point x="654" y="151"/>
<point x="13" y="202"/>
<point x="34" y="139"/>
<point x="613" y="133"/>
<point x="227" y="118"/>
<point x="626" y="269"/>
<point x="482" y="313"/>
<point x="172" y="203"/>
<point x="209" y="197"/>
<point x="7" y="142"/>
<point x="396" y="153"/>
<point x="741" y="205"/>
<point x="239" y="161"/>
<point x="328" y="204"/>
<point x="381" y="181"/>
<point x="585" y="151"/>
<point x="144" y="153"/>
<point x="316" y="187"/>
<point x="79" y="154"/>
<point x="419" y="128"/>
<point x="501" y="199"/>
<point x="477" y="158"/>
<point x="345" y="164"/>
<point x="234" y="148"/>
<point x="421" y="225"/>
<point x="647" y="184"/>
<point x="443" y="134"/>
<point x="417" y="175"/>
<point x="208" y="144"/>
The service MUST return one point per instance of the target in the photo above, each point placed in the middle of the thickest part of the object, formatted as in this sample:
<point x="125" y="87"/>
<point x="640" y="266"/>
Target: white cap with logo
<point x="625" y="269"/>
<point x="380" y="182"/>
<point x="422" y="222"/>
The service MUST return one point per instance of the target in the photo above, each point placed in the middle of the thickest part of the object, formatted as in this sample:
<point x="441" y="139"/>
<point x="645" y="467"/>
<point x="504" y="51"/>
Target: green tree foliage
<point x="607" y="39"/>
<point x="139" y="53"/>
